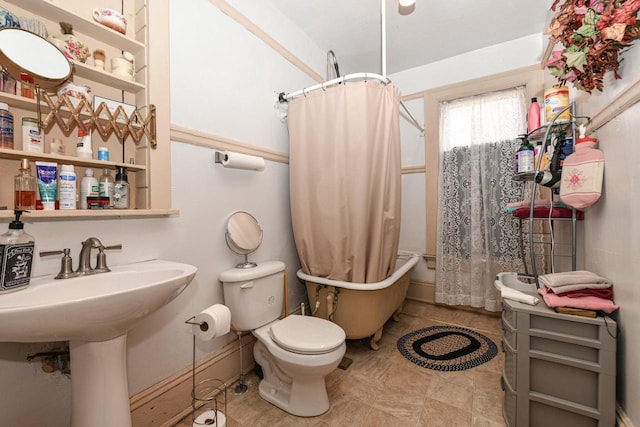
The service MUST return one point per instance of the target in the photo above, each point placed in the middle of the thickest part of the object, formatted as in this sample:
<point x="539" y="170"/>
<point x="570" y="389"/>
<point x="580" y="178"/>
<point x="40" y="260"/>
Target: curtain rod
<point x="282" y="97"/>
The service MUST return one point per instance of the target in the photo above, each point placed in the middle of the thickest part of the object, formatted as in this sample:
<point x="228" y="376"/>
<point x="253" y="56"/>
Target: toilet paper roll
<point x="212" y="322"/>
<point x="242" y="161"/>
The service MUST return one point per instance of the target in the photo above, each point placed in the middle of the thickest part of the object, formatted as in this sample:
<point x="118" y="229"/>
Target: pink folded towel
<point x="586" y="302"/>
<point x="600" y="293"/>
<point x="574" y="281"/>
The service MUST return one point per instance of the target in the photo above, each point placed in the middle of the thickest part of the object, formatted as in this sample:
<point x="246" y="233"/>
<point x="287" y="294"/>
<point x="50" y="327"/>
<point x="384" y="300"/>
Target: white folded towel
<point x="574" y="280"/>
<point x="519" y="296"/>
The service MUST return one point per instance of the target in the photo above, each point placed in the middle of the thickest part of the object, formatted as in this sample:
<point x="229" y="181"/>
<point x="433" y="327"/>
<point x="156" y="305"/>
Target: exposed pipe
<point x="317" y="306"/>
<point x="330" y="297"/>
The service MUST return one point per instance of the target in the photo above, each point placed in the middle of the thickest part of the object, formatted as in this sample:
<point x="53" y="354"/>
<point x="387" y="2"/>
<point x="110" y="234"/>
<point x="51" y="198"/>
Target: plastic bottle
<point x="525" y="157"/>
<point x="88" y="187"/>
<point x="106" y="185"/>
<point x="16" y="256"/>
<point x="6" y="126"/>
<point x="121" y="191"/>
<point x="68" y="194"/>
<point x="25" y="187"/>
<point x="83" y="147"/>
<point x="32" y="137"/>
<point x="533" y="118"/>
<point x="582" y="173"/>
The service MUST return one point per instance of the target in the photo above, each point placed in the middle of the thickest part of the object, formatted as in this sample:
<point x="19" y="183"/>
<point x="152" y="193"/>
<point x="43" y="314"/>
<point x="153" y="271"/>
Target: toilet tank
<point x="255" y="296"/>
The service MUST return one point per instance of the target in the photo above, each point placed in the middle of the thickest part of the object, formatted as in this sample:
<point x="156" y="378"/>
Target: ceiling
<point x="433" y="31"/>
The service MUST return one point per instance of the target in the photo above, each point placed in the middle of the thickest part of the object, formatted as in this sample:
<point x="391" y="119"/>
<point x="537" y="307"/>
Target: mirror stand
<point x="243" y="236"/>
<point x="246" y="263"/>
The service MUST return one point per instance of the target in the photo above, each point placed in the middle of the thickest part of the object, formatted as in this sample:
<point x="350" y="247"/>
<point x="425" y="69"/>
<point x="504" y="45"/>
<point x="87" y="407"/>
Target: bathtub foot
<point x="396" y="314"/>
<point x="374" y="340"/>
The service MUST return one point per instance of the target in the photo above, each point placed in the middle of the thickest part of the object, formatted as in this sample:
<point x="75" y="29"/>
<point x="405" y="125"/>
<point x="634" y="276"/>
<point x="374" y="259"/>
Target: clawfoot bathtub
<point x="361" y="309"/>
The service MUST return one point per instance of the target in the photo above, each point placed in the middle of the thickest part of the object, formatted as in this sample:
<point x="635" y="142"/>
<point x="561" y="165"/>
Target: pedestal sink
<point x="94" y="313"/>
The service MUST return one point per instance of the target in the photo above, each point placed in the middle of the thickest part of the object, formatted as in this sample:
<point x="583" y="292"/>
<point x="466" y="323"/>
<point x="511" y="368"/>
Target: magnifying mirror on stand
<point x="22" y="51"/>
<point x="243" y="236"/>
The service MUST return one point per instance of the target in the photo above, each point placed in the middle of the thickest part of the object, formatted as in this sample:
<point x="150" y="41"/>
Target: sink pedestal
<point x="99" y="389"/>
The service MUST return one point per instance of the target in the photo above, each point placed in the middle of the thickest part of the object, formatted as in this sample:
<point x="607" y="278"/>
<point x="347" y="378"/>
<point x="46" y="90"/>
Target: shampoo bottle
<point x="16" y="256"/>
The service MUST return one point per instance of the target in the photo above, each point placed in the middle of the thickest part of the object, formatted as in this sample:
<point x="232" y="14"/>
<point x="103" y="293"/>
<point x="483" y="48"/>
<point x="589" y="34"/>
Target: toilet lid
<point x="307" y="334"/>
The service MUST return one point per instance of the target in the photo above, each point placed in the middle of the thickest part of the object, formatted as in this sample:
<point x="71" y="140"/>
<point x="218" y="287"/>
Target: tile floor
<point x="382" y="388"/>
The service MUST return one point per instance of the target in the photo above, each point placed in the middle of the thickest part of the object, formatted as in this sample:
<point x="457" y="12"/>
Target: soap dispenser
<point x="16" y="256"/>
<point x="121" y="189"/>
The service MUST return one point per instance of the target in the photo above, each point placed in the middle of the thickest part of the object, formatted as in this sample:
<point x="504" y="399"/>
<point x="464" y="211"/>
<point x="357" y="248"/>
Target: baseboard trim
<point x="422" y="291"/>
<point x="169" y="401"/>
<point x="622" y="420"/>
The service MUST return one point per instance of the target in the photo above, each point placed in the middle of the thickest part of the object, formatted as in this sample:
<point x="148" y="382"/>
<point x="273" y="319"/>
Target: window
<point x="532" y="80"/>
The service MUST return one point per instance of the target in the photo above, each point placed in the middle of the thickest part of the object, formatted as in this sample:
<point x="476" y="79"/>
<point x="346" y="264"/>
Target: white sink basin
<point x="94" y="313"/>
<point x="96" y="307"/>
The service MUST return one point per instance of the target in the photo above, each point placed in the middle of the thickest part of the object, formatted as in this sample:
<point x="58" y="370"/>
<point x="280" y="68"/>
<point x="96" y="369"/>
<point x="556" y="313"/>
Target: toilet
<point x="296" y="352"/>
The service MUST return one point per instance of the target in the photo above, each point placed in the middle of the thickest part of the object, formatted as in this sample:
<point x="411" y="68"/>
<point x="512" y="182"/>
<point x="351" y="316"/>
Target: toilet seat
<point x="307" y="334"/>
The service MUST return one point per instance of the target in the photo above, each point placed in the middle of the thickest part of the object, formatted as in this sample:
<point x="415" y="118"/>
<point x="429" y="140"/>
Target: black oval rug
<point x="447" y="348"/>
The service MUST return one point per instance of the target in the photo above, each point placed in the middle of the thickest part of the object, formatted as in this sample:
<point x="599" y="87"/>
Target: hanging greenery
<point x="593" y="34"/>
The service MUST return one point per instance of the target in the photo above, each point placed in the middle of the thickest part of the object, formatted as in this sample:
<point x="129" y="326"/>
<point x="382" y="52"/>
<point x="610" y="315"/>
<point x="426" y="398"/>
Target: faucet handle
<point x="66" y="267"/>
<point x="101" y="264"/>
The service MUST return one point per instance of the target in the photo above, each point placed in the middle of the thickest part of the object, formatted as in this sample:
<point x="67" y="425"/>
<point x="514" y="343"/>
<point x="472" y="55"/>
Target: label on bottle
<point x="6" y="129"/>
<point x="15" y="265"/>
<point x="67" y="190"/>
<point x="31" y="136"/>
<point x="107" y="189"/>
<point x="121" y="195"/>
<point x="88" y="188"/>
<point x="525" y="161"/>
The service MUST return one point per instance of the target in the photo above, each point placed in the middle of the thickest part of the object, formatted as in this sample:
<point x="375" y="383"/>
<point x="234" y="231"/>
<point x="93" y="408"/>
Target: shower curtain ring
<point x="322" y="86"/>
<point x="303" y="89"/>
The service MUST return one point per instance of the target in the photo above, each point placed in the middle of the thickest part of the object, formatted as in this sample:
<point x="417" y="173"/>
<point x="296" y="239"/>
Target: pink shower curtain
<point x="344" y="167"/>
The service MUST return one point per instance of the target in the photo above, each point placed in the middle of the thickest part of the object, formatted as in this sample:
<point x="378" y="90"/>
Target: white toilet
<point x="295" y="353"/>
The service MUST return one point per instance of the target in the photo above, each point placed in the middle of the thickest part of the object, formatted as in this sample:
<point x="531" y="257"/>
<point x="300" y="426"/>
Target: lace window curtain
<point x="476" y="240"/>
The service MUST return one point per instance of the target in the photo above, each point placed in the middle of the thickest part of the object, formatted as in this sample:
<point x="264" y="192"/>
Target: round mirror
<point x="243" y="235"/>
<point x="22" y="51"/>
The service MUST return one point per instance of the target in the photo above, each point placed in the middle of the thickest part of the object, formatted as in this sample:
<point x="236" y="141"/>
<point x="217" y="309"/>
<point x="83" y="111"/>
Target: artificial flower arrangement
<point x="593" y="33"/>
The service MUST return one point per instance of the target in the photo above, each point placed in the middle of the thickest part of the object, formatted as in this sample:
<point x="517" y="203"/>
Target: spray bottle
<point x="16" y="256"/>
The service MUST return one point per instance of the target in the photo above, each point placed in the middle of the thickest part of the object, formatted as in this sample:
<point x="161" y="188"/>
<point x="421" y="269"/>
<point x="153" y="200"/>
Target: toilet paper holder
<point x="208" y="396"/>
<point x="204" y="326"/>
